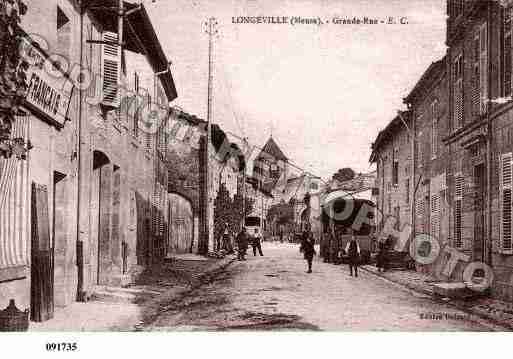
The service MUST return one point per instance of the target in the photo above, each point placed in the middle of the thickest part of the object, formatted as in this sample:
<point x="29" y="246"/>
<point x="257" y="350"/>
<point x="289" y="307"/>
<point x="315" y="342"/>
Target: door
<point x="181" y="224"/>
<point x="479" y="198"/>
<point x="41" y="289"/>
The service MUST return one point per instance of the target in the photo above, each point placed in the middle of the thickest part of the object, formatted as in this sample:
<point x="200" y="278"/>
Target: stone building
<point x="392" y="153"/>
<point x="460" y="112"/>
<point x="186" y="166"/>
<point x="96" y="171"/>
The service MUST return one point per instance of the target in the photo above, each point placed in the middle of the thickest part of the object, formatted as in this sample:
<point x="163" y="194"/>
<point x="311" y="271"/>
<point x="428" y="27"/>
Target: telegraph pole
<point x="211" y="30"/>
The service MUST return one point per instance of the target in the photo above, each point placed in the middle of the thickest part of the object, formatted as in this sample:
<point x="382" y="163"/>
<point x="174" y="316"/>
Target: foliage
<point x="344" y="174"/>
<point x="228" y="211"/>
<point x="13" y="81"/>
<point x="282" y="213"/>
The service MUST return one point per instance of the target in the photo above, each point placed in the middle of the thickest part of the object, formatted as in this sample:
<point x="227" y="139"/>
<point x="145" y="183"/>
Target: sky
<point x="323" y="92"/>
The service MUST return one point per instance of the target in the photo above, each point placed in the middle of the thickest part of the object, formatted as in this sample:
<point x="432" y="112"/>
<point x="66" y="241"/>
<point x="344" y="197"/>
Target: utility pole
<point x="211" y="30"/>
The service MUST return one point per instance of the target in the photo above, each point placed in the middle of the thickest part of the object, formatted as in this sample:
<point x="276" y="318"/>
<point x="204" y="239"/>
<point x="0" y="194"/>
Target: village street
<point x="274" y="292"/>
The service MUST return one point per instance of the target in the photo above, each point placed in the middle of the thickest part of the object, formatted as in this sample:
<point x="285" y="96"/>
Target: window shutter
<point x="507" y="52"/>
<point x="459" y="185"/>
<point x="434" y="129"/>
<point x="419" y="211"/>
<point x="435" y="215"/>
<point x="483" y="64"/>
<point x="476" y="75"/>
<point x="505" y="203"/>
<point x="111" y="64"/>
<point x="458" y="104"/>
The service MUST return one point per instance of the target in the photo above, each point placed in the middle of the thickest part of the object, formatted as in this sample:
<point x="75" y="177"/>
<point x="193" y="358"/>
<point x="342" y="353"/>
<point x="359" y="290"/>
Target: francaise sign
<point x="49" y="91"/>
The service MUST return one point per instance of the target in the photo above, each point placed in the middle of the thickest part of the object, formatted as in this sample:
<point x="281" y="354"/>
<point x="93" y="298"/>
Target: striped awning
<point x="14" y="203"/>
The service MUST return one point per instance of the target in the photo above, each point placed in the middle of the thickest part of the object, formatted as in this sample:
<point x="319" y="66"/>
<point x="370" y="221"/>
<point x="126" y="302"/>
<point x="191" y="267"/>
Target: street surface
<point x="274" y="292"/>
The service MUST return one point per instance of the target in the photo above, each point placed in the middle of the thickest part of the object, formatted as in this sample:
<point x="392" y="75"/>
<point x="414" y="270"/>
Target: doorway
<point x="101" y="199"/>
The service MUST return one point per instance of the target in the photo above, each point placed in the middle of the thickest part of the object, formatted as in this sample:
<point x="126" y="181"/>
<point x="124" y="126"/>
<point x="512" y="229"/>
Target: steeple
<point x="271" y="148"/>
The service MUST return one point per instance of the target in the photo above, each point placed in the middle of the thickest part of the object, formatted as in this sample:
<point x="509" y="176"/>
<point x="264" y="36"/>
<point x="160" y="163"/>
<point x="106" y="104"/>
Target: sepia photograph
<point x="255" y="166"/>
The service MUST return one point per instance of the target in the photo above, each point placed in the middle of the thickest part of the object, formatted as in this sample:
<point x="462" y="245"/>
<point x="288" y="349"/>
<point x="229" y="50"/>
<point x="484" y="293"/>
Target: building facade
<point x="95" y="182"/>
<point x="460" y="112"/>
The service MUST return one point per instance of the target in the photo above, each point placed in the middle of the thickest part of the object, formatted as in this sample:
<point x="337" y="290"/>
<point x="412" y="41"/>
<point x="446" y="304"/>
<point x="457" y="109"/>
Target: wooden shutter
<point x="483" y="65"/>
<point x="111" y="69"/>
<point x="434" y="129"/>
<point x="476" y="75"/>
<point x="505" y="185"/>
<point x="435" y="215"/>
<point x="507" y="52"/>
<point x="459" y="185"/>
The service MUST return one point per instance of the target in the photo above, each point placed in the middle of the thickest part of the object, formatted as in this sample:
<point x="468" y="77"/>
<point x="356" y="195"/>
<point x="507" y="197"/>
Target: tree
<point x="13" y="79"/>
<point x="228" y="212"/>
<point x="344" y="174"/>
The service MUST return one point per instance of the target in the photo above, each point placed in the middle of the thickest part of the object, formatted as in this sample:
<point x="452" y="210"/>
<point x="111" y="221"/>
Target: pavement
<point x="275" y="293"/>
<point x="272" y="293"/>
<point x="496" y="311"/>
<point x="125" y="309"/>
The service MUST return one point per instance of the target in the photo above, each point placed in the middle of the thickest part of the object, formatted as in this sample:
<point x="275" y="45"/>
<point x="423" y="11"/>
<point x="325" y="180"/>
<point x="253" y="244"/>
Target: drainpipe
<point x="80" y="244"/>
<point x="488" y="258"/>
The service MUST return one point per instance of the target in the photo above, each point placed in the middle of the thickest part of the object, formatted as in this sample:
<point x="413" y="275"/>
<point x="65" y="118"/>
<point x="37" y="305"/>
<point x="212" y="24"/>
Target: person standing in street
<point x="353" y="252"/>
<point x="256" y="243"/>
<point x="242" y="244"/>
<point x="308" y="249"/>
<point x="381" y="258"/>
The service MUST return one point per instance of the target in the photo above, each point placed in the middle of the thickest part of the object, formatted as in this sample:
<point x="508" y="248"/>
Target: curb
<point x="459" y="306"/>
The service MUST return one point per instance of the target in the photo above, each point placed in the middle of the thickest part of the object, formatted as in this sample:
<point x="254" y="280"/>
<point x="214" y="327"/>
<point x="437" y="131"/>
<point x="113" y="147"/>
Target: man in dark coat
<point x="308" y="249"/>
<point x="353" y="252"/>
<point x="381" y="258"/>
<point x="242" y="244"/>
<point x="256" y="243"/>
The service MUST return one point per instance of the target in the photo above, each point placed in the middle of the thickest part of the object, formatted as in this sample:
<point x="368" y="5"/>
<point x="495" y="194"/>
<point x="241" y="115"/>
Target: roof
<point x="388" y="132"/>
<point x="271" y="148"/>
<point x="140" y="37"/>
<point x="428" y="78"/>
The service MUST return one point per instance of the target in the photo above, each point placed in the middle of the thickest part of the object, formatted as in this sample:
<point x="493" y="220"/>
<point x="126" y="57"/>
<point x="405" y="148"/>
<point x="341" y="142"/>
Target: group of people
<point x="352" y="251"/>
<point x="244" y="239"/>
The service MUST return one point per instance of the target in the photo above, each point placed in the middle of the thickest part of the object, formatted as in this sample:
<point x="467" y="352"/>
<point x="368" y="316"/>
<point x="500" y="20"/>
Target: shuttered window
<point x="506" y="51"/>
<point x="434" y="129"/>
<point x="435" y="215"/>
<point x="476" y="75"/>
<point x="458" y="92"/>
<point x="111" y="63"/>
<point x="419" y="211"/>
<point x="459" y="187"/>
<point x="483" y="67"/>
<point x="505" y="185"/>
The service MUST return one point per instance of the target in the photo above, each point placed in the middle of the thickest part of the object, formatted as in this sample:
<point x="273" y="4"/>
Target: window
<point x="457" y="7"/>
<point x="505" y="186"/>
<point x="407" y="189"/>
<point x="63" y="34"/>
<point x="479" y="79"/>
<point x="435" y="215"/>
<point x="483" y="67"/>
<point x="458" y="92"/>
<point x="111" y="69"/>
<point x="395" y="173"/>
<point x="434" y="129"/>
<point x="459" y="183"/>
<point x="506" y="51"/>
<point x="395" y="168"/>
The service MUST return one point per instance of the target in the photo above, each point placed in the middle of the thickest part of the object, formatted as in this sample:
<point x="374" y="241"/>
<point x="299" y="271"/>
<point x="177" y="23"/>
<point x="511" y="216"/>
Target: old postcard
<point x="255" y="165"/>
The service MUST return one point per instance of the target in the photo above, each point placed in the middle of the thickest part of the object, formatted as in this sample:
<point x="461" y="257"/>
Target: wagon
<point x="336" y="232"/>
